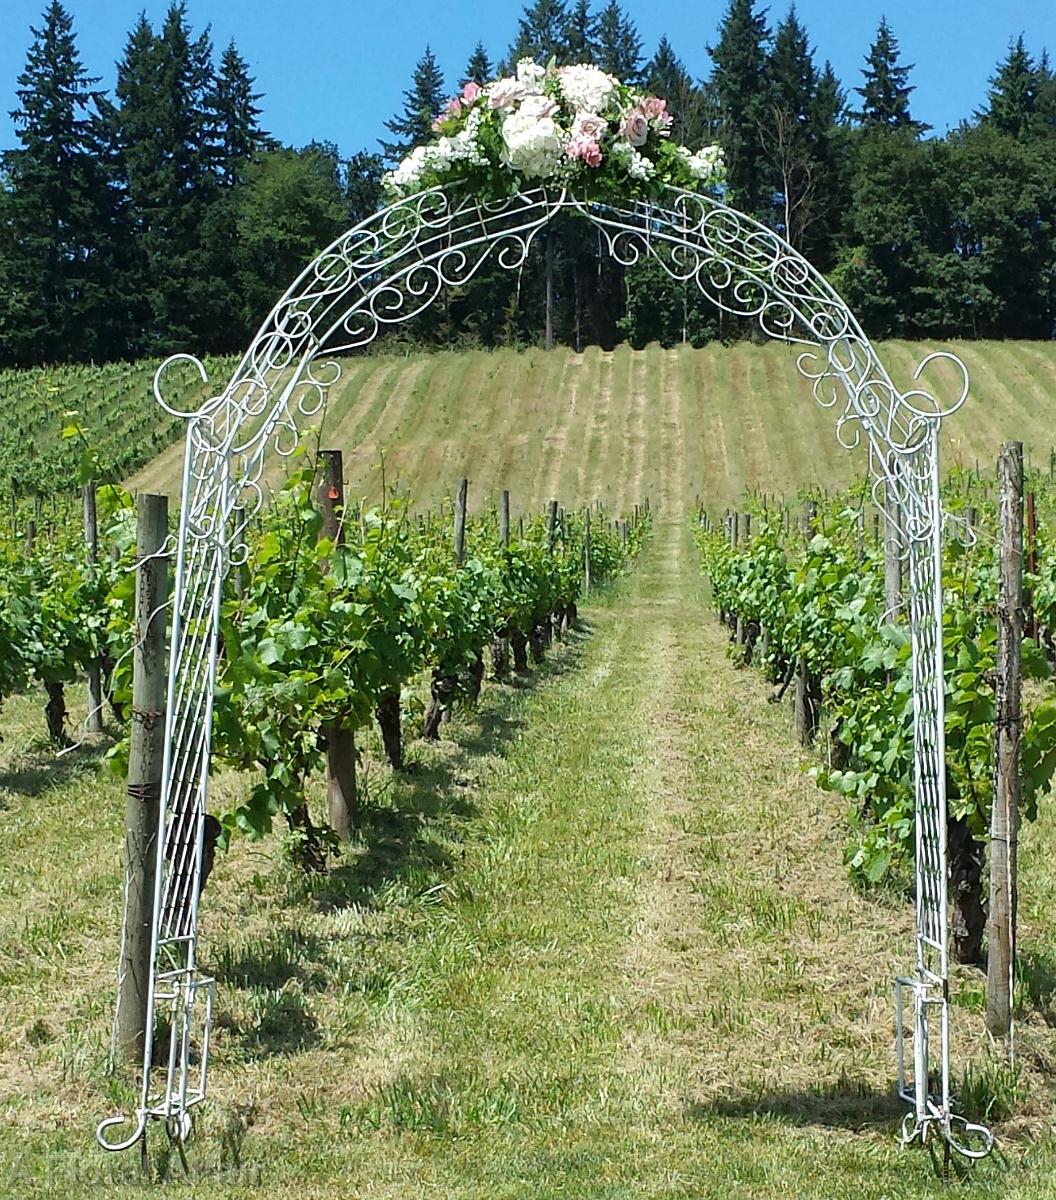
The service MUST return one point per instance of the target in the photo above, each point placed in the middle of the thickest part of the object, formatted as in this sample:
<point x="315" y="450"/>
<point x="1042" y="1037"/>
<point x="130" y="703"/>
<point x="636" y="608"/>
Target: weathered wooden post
<point x="95" y="680"/>
<point x="342" y="789"/>
<point x="1008" y="723"/>
<point x="460" y="522"/>
<point x="500" y="643"/>
<point x="145" y="754"/>
<point x="586" y="551"/>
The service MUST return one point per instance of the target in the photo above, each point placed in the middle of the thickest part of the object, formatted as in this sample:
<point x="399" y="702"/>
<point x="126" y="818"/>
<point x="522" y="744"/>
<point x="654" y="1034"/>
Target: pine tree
<point x="828" y="140"/>
<point x="162" y="123"/>
<point x="237" y="134"/>
<point x="787" y="129"/>
<point x="579" y="33"/>
<point x="792" y="68"/>
<point x="741" y="84"/>
<point x="422" y="101"/>
<point x="1012" y="98"/>
<point x="540" y="33"/>
<point x="885" y="96"/>
<point x="59" y="208"/>
<point x="478" y="69"/>
<point x="617" y="46"/>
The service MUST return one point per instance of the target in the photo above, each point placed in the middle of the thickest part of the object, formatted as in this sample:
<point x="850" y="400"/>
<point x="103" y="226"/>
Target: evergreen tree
<point x="741" y="84"/>
<point x="422" y="101"/>
<point x="579" y="34"/>
<point x="829" y="140"/>
<point x="236" y="131"/>
<point x="885" y="96"/>
<point x="59" y="207"/>
<point x="163" y="124"/>
<point x="478" y="69"/>
<point x="617" y="46"/>
<point x="363" y="190"/>
<point x="792" y="69"/>
<point x="1013" y="94"/>
<point x="540" y="33"/>
<point x="787" y="131"/>
<point x="291" y="205"/>
<point x="1045" y="99"/>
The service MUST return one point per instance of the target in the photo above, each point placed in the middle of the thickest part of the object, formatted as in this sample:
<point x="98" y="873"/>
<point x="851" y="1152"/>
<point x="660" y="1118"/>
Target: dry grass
<point x="590" y="426"/>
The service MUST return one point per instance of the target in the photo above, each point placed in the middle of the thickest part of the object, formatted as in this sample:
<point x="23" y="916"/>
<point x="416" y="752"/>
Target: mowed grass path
<point x="601" y="944"/>
<point x="603" y="425"/>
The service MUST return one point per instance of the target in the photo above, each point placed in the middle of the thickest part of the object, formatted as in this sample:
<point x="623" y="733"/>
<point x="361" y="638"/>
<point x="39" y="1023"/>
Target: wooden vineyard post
<point x="500" y="643"/>
<point x="91" y="541"/>
<point x="460" y="522"/>
<point x="504" y="518"/>
<point x="1008" y="723"/>
<point x="146" y="750"/>
<point x="586" y="552"/>
<point x="342" y="791"/>
<point x="552" y="622"/>
<point x="740" y="625"/>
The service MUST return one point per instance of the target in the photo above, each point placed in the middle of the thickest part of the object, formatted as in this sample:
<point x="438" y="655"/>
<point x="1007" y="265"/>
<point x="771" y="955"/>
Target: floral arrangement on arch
<point x="573" y="126"/>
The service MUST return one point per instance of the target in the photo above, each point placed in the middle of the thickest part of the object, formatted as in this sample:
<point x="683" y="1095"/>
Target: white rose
<point x="504" y="93"/>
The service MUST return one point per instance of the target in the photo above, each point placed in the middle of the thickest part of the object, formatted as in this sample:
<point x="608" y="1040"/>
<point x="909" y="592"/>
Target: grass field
<point x="602" y="425"/>
<point x="600" y="943"/>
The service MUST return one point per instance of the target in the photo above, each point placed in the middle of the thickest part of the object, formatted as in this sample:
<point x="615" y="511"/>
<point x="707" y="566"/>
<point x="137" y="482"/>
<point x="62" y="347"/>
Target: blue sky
<point x="333" y="70"/>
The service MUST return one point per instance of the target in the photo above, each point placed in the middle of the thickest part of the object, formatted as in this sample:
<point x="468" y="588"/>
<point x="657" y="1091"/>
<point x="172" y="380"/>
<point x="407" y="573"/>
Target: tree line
<point x="165" y="218"/>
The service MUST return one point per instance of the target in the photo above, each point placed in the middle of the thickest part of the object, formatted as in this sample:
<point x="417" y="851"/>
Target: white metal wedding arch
<point x="384" y="272"/>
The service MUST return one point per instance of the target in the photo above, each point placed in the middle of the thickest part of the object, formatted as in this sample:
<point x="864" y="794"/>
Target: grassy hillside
<point x="611" y="425"/>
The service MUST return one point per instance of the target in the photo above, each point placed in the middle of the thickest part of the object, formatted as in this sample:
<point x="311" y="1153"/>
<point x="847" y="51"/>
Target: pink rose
<point x="635" y="126"/>
<point x="470" y="92"/>
<point x="655" y="109"/>
<point x="586" y="149"/>
<point x="588" y="125"/>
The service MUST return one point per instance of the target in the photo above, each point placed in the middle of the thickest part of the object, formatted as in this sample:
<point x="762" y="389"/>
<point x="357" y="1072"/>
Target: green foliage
<point x="885" y="95"/>
<point x="824" y="602"/>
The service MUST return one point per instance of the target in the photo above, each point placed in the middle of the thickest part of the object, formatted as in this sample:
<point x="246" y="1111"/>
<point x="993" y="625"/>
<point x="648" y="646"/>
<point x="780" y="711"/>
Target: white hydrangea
<point x="703" y="164"/>
<point x="410" y="171"/>
<point x="587" y="88"/>
<point x="635" y="164"/>
<point x="534" y="144"/>
<point x="463" y="147"/>
<point x="530" y="75"/>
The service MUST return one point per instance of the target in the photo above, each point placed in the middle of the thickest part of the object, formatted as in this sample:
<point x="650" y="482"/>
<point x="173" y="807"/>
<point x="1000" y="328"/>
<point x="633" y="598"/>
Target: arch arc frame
<point x="384" y="272"/>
